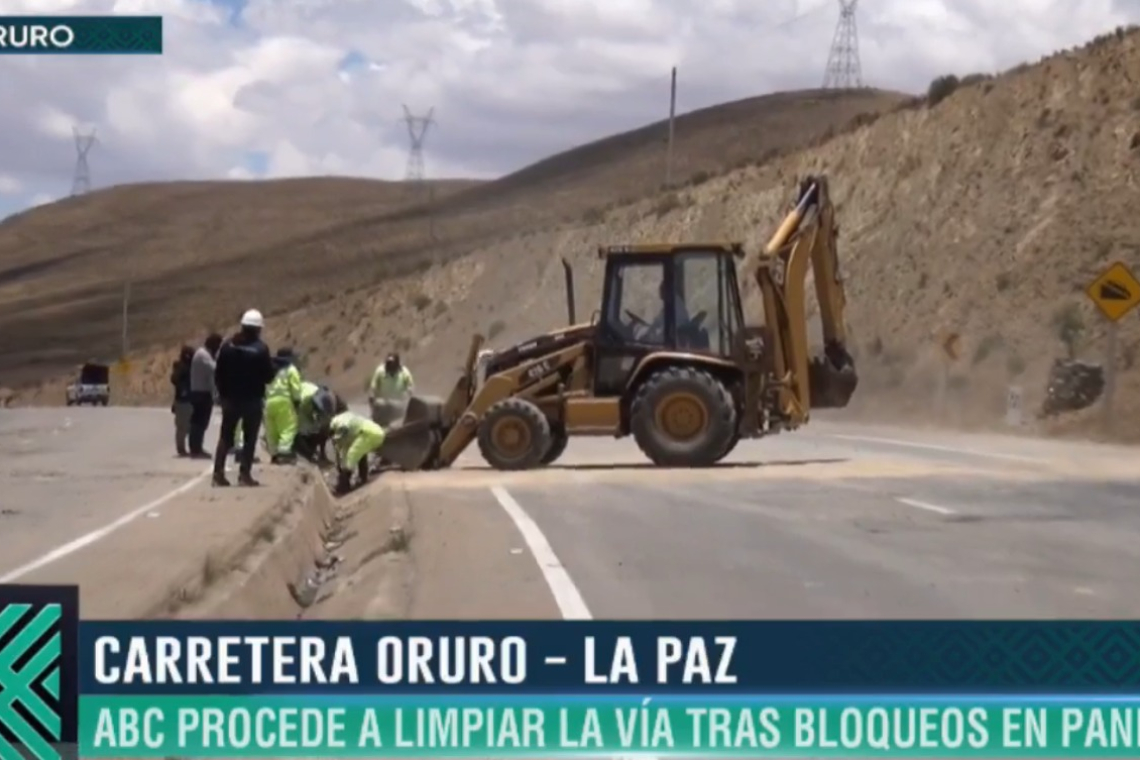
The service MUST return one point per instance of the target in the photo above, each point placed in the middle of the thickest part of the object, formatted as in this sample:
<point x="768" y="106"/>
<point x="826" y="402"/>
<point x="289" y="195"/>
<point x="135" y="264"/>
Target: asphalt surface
<point x="66" y="473"/>
<point x="836" y="521"/>
<point x="840" y="522"/>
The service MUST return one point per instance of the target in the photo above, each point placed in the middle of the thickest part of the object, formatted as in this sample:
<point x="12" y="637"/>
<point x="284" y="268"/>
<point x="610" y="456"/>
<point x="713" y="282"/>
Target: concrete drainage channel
<point x="310" y="556"/>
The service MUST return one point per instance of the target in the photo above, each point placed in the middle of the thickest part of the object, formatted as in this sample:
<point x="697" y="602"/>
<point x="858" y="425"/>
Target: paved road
<point x="68" y="473"/>
<point x="839" y="522"/>
<point x="833" y="521"/>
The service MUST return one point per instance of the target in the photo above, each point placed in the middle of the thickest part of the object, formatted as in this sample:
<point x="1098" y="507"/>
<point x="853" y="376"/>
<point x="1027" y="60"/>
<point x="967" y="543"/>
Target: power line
<point x="417" y="132"/>
<point x="81" y="180"/>
<point x="844" y="72"/>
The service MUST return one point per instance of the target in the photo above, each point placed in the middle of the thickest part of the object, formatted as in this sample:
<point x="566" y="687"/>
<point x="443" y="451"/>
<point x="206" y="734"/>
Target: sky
<point x="250" y="89"/>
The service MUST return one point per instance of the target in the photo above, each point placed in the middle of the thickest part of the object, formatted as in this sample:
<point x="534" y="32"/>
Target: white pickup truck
<point x="92" y="387"/>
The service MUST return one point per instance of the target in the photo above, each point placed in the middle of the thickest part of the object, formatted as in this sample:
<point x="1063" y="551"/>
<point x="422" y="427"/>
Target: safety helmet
<point x="252" y="318"/>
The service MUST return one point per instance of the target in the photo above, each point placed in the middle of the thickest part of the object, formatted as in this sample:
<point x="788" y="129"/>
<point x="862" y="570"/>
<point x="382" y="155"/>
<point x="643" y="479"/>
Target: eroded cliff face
<point x="985" y="215"/>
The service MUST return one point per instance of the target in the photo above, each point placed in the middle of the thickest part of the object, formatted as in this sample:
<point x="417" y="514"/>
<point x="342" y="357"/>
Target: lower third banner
<point x="493" y="726"/>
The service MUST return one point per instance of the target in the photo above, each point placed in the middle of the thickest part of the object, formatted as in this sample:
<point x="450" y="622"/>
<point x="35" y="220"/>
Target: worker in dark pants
<point x="202" y="393"/>
<point x="244" y="369"/>
<point x="181" y="407"/>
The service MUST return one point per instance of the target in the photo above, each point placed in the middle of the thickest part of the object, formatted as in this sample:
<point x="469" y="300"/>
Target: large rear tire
<point x="683" y="417"/>
<point x="558" y="441"/>
<point x="514" y="435"/>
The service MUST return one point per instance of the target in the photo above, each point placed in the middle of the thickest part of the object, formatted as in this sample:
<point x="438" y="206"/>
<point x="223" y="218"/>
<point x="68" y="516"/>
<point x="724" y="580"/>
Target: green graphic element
<point x="89" y="35"/>
<point x="822" y="728"/>
<point x="40" y="665"/>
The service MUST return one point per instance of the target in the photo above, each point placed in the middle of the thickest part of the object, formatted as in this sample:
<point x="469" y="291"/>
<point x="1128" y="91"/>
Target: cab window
<point x="635" y="309"/>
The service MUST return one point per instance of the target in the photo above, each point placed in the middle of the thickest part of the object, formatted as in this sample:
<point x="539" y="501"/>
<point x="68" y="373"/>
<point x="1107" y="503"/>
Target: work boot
<point x="247" y="480"/>
<point x="285" y="458"/>
<point x="202" y="454"/>
<point x="221" y="481"/>
<point x="343" y="481"/>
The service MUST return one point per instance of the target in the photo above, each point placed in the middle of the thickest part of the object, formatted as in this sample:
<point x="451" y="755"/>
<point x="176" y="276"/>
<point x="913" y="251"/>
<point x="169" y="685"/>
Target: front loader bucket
<point x="832" y="379"/>
<point x="412" y="444"/>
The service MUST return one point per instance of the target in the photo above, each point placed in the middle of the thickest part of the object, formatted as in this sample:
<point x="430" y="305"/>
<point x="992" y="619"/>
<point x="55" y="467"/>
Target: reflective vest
<point x="391" y="386"/>
<point x="287" y="384"/>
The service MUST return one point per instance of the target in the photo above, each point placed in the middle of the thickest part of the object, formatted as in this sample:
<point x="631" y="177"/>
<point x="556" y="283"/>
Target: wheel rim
<point x="511" y="437"/>
<point x="682" y="416"/>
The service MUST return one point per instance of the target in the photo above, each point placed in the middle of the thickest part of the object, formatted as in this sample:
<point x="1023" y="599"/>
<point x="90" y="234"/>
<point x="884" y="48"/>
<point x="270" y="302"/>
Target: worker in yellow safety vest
<point x="281" y="401"/>
<point x="391" y="383"/>
<point x="354" y="438"/>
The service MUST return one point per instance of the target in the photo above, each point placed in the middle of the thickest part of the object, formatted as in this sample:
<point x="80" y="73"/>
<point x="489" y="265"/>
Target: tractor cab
<point x="672" y="299"/>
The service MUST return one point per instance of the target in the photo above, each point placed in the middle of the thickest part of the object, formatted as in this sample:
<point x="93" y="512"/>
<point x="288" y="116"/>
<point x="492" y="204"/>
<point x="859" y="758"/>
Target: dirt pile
<point x="197" y="254"/>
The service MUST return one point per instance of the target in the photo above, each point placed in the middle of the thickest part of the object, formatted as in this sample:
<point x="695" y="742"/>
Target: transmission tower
<point x="844" y="71"/>
<point x="417" y="132"/>
<point x="81" y="181"/>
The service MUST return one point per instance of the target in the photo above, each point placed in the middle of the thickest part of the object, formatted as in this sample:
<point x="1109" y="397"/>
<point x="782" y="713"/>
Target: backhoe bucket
<point x="412" y="444"/>
<point x="832" y="379"/>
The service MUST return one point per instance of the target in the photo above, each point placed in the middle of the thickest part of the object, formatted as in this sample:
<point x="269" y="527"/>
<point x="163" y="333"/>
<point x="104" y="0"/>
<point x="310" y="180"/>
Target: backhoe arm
<point x="807" y="238"/>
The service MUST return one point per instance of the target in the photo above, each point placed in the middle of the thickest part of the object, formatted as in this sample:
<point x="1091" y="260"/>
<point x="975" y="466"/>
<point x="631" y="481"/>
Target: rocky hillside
<point x="985" y="213"/>
<point x="197" y="254"/>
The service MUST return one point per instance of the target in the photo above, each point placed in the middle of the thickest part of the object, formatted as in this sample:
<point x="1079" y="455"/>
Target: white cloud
<point x="10" y="185"/>
<point x="510" y="80"/>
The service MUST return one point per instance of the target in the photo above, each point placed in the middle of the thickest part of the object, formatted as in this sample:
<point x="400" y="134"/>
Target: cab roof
<point x="658" y="249"/>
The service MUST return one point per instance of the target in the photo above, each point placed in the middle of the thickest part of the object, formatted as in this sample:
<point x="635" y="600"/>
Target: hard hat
<point x="252" y="318"/>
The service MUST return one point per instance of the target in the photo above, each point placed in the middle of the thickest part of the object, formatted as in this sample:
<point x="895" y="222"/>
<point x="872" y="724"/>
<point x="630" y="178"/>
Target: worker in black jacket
<point x="182" y="407"/>
<point x="245" y="367"/>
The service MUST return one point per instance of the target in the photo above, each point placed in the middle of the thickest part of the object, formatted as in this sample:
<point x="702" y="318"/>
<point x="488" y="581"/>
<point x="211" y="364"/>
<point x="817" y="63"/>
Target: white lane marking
<point x="99" y="534"/>
<point x="925" y="505"/>
<point x="935" y="447"/>
<point x="566" y="594"/>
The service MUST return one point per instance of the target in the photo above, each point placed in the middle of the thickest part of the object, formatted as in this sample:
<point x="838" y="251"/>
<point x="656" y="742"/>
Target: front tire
<point x="683" y="417"/>
<point x="514" y="435"/>
<point x="559" y="439"/>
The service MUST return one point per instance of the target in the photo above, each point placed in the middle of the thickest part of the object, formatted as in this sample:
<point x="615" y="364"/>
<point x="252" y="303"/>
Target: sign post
<point x="951" y="349"/>
<point x="1115" y="293"/>
<point x="1013" y="406"/>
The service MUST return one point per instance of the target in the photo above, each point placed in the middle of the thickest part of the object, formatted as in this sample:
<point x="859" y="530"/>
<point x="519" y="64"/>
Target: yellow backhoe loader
<point x="667" y="359"/>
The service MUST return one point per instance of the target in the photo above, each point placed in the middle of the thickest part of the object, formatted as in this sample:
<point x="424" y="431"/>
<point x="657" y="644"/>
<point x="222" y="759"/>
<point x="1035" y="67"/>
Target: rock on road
<point x="835" y="521"/>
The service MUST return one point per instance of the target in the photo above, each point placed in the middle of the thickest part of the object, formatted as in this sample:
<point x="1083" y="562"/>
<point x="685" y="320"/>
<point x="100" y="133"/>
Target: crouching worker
<point x="354" y="438"/>
<point x="314" y="414"/>
<point x="281" y="402"/>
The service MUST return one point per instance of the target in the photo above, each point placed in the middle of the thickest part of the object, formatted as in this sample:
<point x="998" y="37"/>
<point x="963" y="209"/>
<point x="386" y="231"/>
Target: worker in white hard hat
<point x="244" y="369"/>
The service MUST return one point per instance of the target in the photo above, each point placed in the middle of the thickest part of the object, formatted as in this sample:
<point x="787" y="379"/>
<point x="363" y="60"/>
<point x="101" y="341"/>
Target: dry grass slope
<point x="984" y="211"/>
<point x="198" y="253"/>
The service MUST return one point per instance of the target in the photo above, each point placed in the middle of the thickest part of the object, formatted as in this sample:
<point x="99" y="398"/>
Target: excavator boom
<point x="807" y="238"/>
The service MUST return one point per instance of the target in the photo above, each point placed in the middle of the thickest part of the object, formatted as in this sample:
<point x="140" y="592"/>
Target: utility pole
<point x="844" y="70"/>
<point x="126" y="319"/>
<point x="672" y="119"/>
<point x="81" y="180"/>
